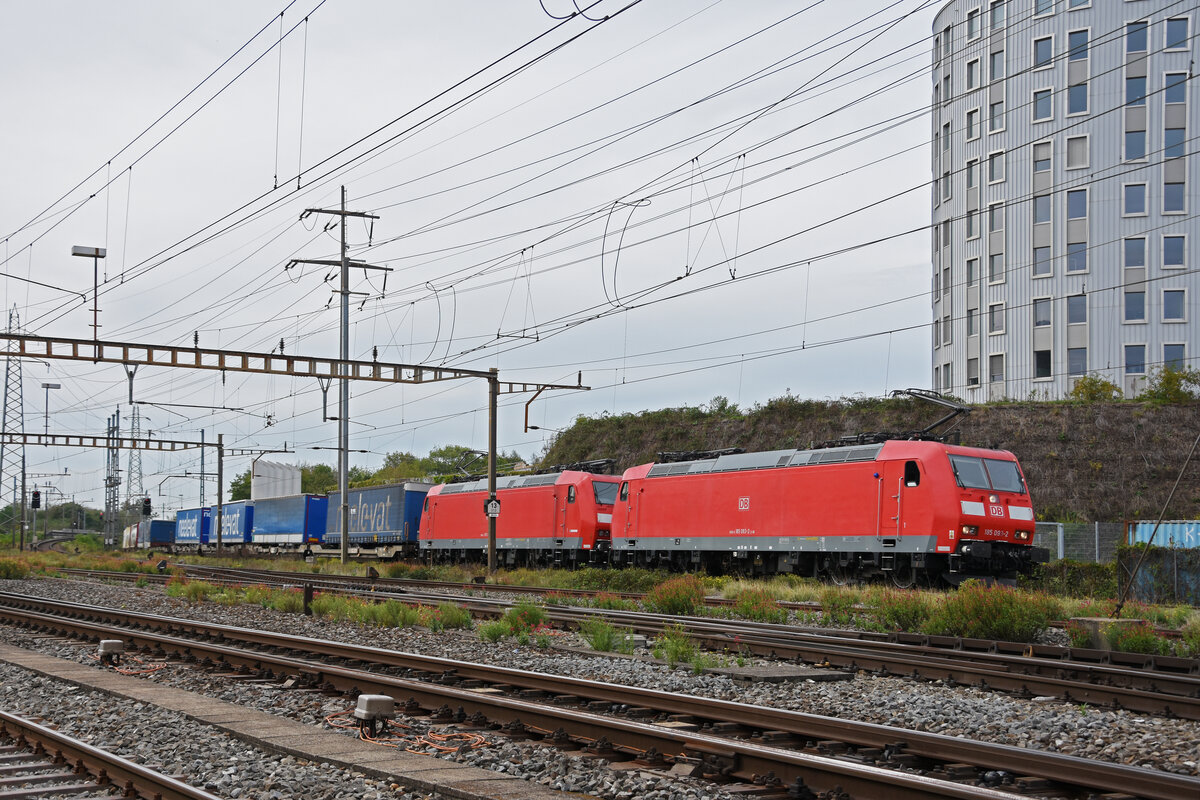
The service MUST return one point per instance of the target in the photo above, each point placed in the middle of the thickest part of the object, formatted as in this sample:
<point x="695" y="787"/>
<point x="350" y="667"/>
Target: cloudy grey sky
<point x="682" y="200"/>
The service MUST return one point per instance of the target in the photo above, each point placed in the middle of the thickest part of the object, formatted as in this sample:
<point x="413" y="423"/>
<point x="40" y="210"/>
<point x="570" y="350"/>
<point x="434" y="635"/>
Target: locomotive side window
<point x="570" y="494"/>
<point x="1005" y="475"/>
<point x="624" y="490"/>
<point x="426" y="503"/>
<point x="970" y="472"/>
<point x="606" y="493"/>
<point x="912" y="474"/>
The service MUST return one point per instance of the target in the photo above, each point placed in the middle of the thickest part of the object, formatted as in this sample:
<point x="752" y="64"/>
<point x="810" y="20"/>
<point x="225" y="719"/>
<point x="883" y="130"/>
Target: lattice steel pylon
<point x="134" y="491"/>
<point x="12" y="457"/>
<point x="112" y="480"/>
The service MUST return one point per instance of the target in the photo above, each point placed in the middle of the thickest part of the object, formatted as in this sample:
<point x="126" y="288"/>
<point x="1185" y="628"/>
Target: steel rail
<point x="795" y="725"/>
<point x="103" y="767"/>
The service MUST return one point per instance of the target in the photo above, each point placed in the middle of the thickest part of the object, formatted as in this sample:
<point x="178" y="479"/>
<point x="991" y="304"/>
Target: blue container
<point x="295" y="521"/>
<point x="192" y="526"/>
<point x="156" y="532"/>
<point x="1175" y="533"/>
<point x="237" y="522"/>
<point x="378" y="514"/>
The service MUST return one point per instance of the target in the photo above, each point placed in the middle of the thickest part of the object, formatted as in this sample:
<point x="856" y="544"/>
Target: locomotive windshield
<point x="606" y="493"/>
<point x="987" y="473"/>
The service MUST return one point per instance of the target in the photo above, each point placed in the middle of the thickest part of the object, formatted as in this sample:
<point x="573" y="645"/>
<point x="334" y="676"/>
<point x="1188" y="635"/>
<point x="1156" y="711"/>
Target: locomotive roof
<point x="769" y="459"/>
<point x="512" y="482"/>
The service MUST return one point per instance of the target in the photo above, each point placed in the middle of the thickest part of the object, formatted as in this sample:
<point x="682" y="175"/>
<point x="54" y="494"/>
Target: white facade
<point x="1065" y="239"/>
<point x="271" y="479"/>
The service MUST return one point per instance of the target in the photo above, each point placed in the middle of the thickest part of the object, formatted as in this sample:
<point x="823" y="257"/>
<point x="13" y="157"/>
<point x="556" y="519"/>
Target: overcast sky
<point x="683" y="200"/>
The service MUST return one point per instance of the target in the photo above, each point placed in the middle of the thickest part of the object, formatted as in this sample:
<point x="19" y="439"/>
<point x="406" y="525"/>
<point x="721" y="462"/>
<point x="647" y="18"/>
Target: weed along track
<point x="730" y="742"/>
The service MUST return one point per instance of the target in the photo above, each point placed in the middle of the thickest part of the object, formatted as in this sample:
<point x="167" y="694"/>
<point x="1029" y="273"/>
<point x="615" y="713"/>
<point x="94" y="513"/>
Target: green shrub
<point x="523" y="617"/>
<point x="1094" y="388"/>
<point x="604" y="636"/>
<point x="680" y="596"/>
<point x="1189" y="638"/>
<point x="1067" y="578"/>
<point x="993" y="612"/>
<point x="837" y="605"/>
<point x="453" y="616"/>
<point x="1137" y="638"/>
<point x="1079" y="635"/>
<point x="13" y="569"/>
<point x="898" y="610"/>
<point x="289" y="601"/>
<point x="198" y="591"/>
<point x="1170" y="385"/>
<point x="758" y="605"/>
<point x="611" y="602"/>
<point x="493" y="631"/>
<point x="674" y="645"/>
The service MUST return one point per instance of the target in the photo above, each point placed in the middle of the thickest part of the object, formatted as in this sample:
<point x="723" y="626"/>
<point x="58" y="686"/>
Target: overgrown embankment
<point x="1084" y="462"/>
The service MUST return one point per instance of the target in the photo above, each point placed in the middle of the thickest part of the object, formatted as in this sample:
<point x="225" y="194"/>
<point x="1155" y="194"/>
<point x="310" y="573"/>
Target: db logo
<point x="743" y="504"/>
<point x="996" y="511"/>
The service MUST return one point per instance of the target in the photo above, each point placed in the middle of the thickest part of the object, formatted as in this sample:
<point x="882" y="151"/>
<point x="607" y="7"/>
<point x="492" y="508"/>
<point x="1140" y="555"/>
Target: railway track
<point x="1148" y="684"/>
<point x="782" y="753"/>
<point x="36" y="761"/>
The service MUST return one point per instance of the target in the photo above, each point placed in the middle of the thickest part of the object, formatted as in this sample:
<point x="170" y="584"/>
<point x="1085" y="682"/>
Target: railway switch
<point x="111" y="650"/>
<point x="371" y="709"/>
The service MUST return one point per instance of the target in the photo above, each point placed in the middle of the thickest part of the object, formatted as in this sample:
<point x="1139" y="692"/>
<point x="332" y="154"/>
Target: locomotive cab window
<point x="987" y="473"/>
<point x="912" y="474"/>
<point x="606" y="493"/>
<point x="624" y="490"/>
<point x="570" y="494"/>
<point x="426" y="503"/>
<point x="1004" y="475"/>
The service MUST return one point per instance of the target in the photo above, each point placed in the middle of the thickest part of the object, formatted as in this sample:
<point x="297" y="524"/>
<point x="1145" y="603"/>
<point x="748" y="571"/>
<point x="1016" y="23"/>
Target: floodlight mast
<point x="95" y="254"/>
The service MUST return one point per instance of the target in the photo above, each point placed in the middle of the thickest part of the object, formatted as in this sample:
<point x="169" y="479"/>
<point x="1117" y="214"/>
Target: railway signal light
<point x="37" y="499"/>
<point x="145" y="506"/>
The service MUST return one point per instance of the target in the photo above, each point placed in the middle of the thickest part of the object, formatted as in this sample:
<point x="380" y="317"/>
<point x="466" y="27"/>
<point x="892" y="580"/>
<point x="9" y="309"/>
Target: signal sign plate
<point x="491" y="508"/>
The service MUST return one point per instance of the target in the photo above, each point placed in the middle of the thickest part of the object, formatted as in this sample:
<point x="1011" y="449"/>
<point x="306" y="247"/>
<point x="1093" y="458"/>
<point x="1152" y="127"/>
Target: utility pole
<point x="344" y="354"/>
<point x="112" y="478"/>
<point x="220" y="477"/>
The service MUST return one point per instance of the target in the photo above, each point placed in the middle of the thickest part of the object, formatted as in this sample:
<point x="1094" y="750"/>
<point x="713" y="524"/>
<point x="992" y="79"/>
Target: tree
<point x="318" y="479"/>
<point x="452" y="459"/>
<point x="239" y="487"/>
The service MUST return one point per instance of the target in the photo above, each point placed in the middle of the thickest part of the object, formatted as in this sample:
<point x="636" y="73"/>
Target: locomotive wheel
<point x="904" y="576"/>
<point x="837" y="573"/>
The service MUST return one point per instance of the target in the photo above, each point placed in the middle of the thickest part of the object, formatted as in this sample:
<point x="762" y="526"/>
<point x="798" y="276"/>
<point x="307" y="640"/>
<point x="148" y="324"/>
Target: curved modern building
<point x="1065" y="240"/>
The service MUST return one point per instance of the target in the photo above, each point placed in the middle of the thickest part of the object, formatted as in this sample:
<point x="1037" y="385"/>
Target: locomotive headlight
<point x="970" y="530"/>
<point x="1023" y="536"/>
<point x="993" y="498"/>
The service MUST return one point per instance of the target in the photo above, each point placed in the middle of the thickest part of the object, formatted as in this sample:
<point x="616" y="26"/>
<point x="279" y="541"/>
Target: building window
<point x="1077" y="45"/>
<point x="997" y="65"/>
<point x="1135" y="359"/>
<point x="1173" y="251"/>
<point x="995" y="217"/>
<point x="996" y="368"/>
<point x="946" y="41"/>
<point x="1173" y="142"/>
<point x="1041" y="157"/>
<point x="1173" y="356"/>
<point x="946" y="329"/>
<point x="996" y="117"/>
<point x="1135" y="306"/>
<point x="1134" y="200"/>
<point x="973" y="74"/>
<point x="996" y="268"/>
<point x="1177" y="34"/>
<point x="946" y="93"/>
<point x="946" y="137"/>
<point x="997" y="14"/>
<point x="947" y="382"/>
<point x="937" y="336"/>
<point x="1077" y="257"/>
<point x="1041" y="208"/>
<point x="1077" y="204"/>
<point x="996" y="167"/>
<point x="972" y="372"/>
<point x="1077" y="152"/>
<point x="1173" y="305"/>
<point x="1076" y="309"/>
<point x="1041" y="7"/>
<point x="973" y="23"/>
<point x="972" y="271"/>
<point x="972" y="321"/>
<point x="972" y="173"/>
<point x="1077" y="98"/>
<point x="1043" y="52"/>
<point x="1135" y="252"/>
<point x="972" y="223"/>
<point x="1041" y="364"/>
<point x="1076" y="360"/>
<point x="1135" y="37"/>
<point x="1173" y="199"/>
<point x="996" y="318"/>
<point x="1074" y="4"/>
<point x="1041" y="262"/>
<point x="973" y="124"/>
<point x="1041" y="312"/>
<point x="1043" y="104"/>
<point x="1135" y="145"/>
<point x="1135" y="91"/>
<point x="946" y="185"/>
<point x="1175" y="89"/>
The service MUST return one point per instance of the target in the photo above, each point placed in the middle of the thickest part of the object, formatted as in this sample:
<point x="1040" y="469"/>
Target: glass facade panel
<point x="1135" y="37"/>
<point x="1134" y="199"/>
<point x="1173" y="199"/>
<point x="1135" y="252"/>
<point x="1077" y="253"/>
<point x="1176" y="87"/>
<point x="1076" y="360"/>
<point x="1077" y="45"/>
<point x="1135" y="306"/>
<point x="1041" y="262"/>
<point x="1173" y="356"/>
<point x="1135" y="91"/>
<point x="1173" y="305"/>
<point x="1173" y="142"/>
<point x="1135" y="359"/>
<point x="1076" y="309"/>
<point x="1077" y="99"/>
<point x="1173" y="247"/>
<point x="1077" y="204"/>
<point x="1177" y="33"/>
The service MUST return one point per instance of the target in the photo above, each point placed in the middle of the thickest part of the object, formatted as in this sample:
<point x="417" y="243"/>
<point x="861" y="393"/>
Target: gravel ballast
<point x="1041" y="723"/>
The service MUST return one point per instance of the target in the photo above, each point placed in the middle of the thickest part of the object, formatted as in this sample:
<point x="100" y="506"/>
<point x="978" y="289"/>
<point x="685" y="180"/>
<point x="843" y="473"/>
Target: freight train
<point x="911" y="511"/>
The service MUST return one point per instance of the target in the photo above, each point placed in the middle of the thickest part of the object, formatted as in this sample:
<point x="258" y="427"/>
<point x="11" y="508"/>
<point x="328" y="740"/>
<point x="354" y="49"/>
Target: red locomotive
<point x="558" y="519"/>
<point x="908" y="510"/>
